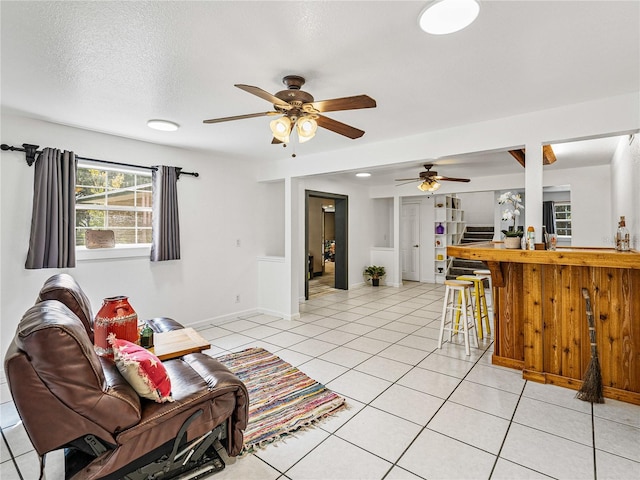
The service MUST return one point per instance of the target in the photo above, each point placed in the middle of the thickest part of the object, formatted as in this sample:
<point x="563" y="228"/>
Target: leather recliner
<point x="69" y="397"/>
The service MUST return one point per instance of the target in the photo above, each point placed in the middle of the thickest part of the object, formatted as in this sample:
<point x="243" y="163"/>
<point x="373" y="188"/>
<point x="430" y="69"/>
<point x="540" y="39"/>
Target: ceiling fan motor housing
<point x="294" y="96"/>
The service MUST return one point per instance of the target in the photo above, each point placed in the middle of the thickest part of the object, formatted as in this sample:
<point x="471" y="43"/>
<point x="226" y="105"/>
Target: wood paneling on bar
<point x="540" y="314"/>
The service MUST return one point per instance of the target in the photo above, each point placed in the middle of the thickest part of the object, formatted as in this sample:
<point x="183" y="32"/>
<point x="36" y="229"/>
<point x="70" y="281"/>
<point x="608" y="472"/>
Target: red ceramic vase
<point x="115" y="316"/>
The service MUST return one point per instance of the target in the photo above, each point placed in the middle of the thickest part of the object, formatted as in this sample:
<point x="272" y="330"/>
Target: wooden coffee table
<point x="177" y="343"/>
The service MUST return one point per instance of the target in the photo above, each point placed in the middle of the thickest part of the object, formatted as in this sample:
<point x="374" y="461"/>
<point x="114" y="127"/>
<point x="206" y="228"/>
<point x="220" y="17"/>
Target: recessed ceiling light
<point x="363" y="174"/>
<point x="448" y="16"/>
<point x="164" y="125"/>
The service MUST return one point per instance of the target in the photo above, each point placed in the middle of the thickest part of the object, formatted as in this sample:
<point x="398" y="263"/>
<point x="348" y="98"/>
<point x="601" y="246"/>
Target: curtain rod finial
<point x="30" y="152"/>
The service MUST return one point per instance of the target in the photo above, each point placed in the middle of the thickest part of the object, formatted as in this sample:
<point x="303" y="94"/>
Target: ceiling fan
<point x="298" y="108"/>
<point x="430" y="180"/>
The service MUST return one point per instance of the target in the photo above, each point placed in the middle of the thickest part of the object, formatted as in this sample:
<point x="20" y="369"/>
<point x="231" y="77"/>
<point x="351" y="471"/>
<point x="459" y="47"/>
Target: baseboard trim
<point x="242" y="314"/>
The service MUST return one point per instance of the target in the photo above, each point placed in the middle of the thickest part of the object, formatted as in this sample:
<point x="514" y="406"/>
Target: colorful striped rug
<point x="282" y="399"/>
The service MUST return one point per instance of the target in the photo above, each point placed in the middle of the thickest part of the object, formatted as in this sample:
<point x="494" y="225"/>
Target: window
<point x="115" y="199"/>
<point x="563" y="219"/>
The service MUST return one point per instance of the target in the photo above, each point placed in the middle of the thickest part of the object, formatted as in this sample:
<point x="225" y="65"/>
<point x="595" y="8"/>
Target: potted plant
<point x="375" y="273"/>
<point x="514" y="204"/>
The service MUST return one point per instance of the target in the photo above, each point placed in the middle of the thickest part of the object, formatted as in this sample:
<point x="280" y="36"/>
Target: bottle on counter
<point x="622" y="236"/>
<point x="531" y="238"/>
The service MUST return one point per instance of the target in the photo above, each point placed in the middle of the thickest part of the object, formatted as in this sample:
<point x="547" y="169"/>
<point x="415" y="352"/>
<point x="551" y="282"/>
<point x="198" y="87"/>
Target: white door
<point x="410" y="241"/>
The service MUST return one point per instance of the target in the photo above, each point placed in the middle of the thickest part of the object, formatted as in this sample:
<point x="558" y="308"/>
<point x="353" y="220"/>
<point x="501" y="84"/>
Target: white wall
<point x="383" y="222"/>
<point x="270" y="220"/>
<point x="383" y="257"/>
<point x="478" y="208"/>
<point x="216" y="210"/>
<point x="625" y="181"/>
<point x="590" y="203"/>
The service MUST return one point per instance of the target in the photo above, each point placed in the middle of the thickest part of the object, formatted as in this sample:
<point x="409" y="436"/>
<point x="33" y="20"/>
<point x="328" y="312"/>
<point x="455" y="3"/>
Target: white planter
<point x="512" y="242"/>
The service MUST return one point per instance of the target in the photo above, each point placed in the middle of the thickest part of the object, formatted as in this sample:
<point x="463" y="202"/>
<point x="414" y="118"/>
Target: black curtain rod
<point x="31" y="150"/>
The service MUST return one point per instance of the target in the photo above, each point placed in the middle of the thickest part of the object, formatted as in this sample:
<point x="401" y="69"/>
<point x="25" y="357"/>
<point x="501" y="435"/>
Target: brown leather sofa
<point x="69" y="397"/>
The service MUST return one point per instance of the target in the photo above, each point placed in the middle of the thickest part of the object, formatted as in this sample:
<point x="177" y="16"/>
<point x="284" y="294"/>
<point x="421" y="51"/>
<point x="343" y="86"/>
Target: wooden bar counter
<point x="540" y="314"/>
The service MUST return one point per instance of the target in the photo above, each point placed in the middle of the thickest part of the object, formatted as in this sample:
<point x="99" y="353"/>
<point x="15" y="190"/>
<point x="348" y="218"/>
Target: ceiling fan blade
<point x="346" y="103"/>
<point x="407" y="179"/>
<point x="264" y="95"/>
<point x="339" y="127"/>
<point x="451" y="179"/>
<point x="240" y="117"/>
<point x="275" y="141"/>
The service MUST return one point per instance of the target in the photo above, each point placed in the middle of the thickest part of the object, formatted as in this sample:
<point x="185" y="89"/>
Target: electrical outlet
<point x="237" y="298"/>
<point x="237" y="242"/>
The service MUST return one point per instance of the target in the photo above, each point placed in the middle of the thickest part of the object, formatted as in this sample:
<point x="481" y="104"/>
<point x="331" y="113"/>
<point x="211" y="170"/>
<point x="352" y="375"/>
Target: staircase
<point x="477" y="234"/>
<point x="460" y="266"/>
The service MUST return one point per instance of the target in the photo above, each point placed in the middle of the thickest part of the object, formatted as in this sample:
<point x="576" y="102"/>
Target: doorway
<point x="326" y="225"/>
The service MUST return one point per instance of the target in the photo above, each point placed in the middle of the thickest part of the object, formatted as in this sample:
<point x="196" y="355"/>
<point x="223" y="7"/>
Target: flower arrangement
<point x="511" y="213"/>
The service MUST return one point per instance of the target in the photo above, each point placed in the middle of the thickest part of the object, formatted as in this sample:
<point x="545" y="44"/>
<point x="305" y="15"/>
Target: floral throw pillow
<point x="142" y="369"/>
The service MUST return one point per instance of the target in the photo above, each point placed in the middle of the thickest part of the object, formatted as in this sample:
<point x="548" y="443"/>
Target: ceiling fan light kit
<point x="429" y="186"/>
<point x="281" y="128"/>
<point x="298" y="108"/>
<point x="306" y="127"/>
<point x="442" y="17"/>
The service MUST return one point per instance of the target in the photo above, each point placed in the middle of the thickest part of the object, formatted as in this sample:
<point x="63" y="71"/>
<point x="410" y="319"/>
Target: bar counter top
<point x="540" y="324"/>
<point x="587" y="256"/>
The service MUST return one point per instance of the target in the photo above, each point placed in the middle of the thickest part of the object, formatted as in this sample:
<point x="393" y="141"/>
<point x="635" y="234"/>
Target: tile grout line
<point x="508" y="428"/>
<point x="13" y="459"/>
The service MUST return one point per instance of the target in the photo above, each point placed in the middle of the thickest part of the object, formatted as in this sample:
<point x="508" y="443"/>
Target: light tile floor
<point x="414" y="412"/>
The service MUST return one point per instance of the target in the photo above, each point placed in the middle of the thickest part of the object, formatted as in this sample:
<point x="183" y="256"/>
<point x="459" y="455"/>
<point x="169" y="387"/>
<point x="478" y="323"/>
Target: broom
<point x="591" y="390"/>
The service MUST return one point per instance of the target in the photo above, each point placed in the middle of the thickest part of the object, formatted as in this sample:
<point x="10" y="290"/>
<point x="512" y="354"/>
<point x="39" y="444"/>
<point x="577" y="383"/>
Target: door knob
<point x="416" y="245"/>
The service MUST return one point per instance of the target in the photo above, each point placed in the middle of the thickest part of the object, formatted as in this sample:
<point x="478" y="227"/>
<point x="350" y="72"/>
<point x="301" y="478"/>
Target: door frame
<point x="341" y="203"/>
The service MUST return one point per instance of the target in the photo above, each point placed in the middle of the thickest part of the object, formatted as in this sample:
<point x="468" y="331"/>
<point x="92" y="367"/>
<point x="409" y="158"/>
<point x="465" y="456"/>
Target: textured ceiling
<point x="111" y="66"/>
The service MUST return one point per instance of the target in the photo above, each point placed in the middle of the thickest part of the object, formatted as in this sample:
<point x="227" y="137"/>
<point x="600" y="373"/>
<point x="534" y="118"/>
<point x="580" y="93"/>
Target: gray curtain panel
<point x="52" y="243"/>
<point x="549" y="216"/>
<point x="165" y="243"/>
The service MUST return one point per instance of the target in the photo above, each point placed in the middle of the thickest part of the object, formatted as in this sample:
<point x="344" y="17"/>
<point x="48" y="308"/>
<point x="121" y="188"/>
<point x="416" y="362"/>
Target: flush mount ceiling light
<point x="448" y="16"/>
<point x="163" y="125"/>
<point x="429" y="185"/>
<point x="363" y="174"/>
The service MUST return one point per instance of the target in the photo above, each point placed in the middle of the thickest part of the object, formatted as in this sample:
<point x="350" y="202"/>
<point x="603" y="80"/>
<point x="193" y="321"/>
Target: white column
<point x="397" y="280"/>
<point x="533" y="187"/>
<point x="291" y="244"/>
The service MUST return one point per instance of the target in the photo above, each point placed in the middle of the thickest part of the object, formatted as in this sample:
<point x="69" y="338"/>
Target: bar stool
<point x="486" y="274"/>
<point x="479" y="301"/>
<point x="457" y="298"/>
